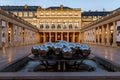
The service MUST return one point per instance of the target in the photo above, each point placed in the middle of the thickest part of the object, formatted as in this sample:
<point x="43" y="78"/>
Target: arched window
<point x="70" y="26"/>
<point x="58" y="27"/>
<point x="53" y="26"/>
<point x="41" y="26"/>
<point x="76" y="27"/>
<point x="47" y="26"/>
<point x="64" y="27"/>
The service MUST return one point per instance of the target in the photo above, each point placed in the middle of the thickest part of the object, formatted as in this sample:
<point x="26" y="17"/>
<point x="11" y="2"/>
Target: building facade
<point x="16" y="31"/>
<point x="56" y="23"/>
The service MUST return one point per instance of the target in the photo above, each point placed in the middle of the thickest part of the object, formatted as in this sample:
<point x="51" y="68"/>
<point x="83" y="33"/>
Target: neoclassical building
<point x="56" y="23"/>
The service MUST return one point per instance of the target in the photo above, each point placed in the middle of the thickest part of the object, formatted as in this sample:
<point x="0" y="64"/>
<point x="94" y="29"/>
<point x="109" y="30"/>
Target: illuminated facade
<point x="56" y="23"/>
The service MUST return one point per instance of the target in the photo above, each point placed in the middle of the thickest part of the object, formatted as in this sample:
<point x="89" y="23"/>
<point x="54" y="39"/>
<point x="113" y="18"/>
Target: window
<point x="70" y="26"/>
<point x="47" y="26"/>
<point x="25" y="14"/>
<point x="58" y="27"/>
<point x="35" y="23"/>
<point x="41" y="14"/>
<point x="64" y="24"/>
<point x="15" y="13"/>
<point x="53" y="26"/>
<point x="47" y="14"/>
<point x="76" y="14"/>
<point x="41" y="26"/>
<point x="64" y="14"/>
<point x="70" y="14"/>
<point x="20" y="14"/>
<point x="64" y="27"/>
<point x="30" y="14"/>
<point x="53" y="14"/>
<point x="58" y="14"/>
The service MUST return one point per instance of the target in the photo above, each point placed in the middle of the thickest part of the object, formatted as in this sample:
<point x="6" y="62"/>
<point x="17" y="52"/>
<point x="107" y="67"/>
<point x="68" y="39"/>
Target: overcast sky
<point x="83" y="4"/>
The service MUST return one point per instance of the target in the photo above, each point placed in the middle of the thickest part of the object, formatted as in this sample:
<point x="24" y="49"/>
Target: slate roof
<point x="19" y="8"/>
<point x="99" y="13"/>
<point x="34" y="8"/>
<point x="58" y="8"/>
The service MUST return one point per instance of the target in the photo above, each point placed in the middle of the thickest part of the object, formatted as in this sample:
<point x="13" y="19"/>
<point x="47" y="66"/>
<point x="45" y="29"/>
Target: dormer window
<point x="64" y="14"/>
<point x="58" y="14"/>
<point x="53" y="14"/>
<point x="70" y="14"/>
<point x="47" y="14"/>
<point x="41" y="13"/>
<point x="76" y="14"/>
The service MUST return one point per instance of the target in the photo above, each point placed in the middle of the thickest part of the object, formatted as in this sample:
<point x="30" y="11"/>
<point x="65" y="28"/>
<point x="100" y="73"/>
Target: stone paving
<point x="113" y="54"/>
<point x="9" y="54"/>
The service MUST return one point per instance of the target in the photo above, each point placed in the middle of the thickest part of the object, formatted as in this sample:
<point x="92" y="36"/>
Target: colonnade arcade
<point x="103" y="35"/>
<point x="54" y="36"/>
<point x="14" y="35"/>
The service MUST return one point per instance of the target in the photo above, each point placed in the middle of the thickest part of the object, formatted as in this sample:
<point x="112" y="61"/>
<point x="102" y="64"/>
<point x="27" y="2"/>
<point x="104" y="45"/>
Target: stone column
<point x="103" y="35"/>
<point x="6" y="34"/>
<point x="12" y="35"/>
<point x="67" y="36"/>
<point x="55" y="36"/>
<point x="44" y="37"/>
<point x="79" y="40"/>
<point x="98" y="36"/>
<point x="49" y="36"/>
<point x="114" y="35"/>
<point x="95" y="36"/>
<point x="73" y="36"/>
<point x="0" y="33"/>
<point x="108" y="35"/>
<point x="61" y="35"/>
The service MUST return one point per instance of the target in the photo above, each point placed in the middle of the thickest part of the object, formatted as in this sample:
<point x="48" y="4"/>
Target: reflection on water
<point x="30" y="66"/>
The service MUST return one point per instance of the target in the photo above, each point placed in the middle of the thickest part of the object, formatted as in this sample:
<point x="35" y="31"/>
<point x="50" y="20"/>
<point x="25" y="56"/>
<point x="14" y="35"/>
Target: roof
<point x="99" y="13"/>
<point x="29" y="8"/>
<point x="58" y="8"/>
<point x="19" y="8"/>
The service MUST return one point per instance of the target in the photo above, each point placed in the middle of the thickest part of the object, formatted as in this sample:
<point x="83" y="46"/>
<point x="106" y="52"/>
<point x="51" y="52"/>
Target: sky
<point x="85" y="5"/>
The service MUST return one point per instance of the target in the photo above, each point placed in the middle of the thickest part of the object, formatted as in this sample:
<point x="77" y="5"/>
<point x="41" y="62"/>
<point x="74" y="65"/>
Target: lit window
<point x="58" y="14"/>
<point x="15" y="13"/>
<point x="41" y="13"/>
<point x="30" y="14"/>
<point x="53" y="14"/>
<point x="25" y="14"/>
<point x="76" y="14"/>
<point x="35" y="23"/>
<point x="64" y="14"/>
<point x="20" y="14"/>
<point x="70" y="13"/>
<point x="47" y="14"/>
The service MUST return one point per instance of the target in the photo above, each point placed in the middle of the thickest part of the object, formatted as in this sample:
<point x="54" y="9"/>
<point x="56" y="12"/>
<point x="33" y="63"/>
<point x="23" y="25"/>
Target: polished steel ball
<point x="43" y="50"/>
<point x="67" y="52"/>
<point x="35" y="50"/>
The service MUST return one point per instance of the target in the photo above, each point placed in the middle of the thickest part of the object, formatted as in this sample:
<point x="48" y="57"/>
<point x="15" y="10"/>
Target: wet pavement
<point x="12" y="53"/>
<point x="7" y="55"/>
<point x="113" y="54"/>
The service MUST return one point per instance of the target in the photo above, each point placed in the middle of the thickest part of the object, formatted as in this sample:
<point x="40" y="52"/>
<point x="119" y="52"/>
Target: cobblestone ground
<point x="110" y="53"/>
<point x="7" y="55"/>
